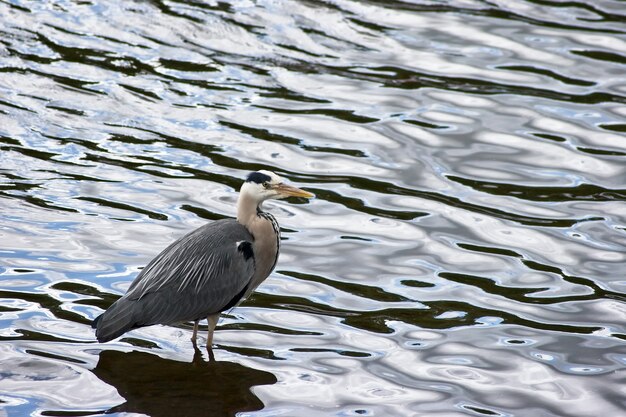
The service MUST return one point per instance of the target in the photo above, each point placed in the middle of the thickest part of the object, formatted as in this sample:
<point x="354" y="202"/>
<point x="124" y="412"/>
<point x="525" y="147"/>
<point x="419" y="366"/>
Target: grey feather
<point x="200" y="274"/>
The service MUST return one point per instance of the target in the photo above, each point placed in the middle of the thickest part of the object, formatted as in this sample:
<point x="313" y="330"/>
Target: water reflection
<point x="156" y="386"/>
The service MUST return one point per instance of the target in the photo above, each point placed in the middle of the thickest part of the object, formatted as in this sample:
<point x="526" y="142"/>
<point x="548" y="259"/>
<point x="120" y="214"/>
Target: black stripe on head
<point x="258" y="178"/>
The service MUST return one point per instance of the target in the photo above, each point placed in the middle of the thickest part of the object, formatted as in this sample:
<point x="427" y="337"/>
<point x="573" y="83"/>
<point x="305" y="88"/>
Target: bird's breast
<point x="266" y="246"/>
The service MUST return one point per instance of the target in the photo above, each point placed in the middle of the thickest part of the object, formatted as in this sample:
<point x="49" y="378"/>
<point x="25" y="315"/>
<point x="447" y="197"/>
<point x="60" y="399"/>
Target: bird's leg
<point x="195" y="331"/>
<point x="212" y="321"/>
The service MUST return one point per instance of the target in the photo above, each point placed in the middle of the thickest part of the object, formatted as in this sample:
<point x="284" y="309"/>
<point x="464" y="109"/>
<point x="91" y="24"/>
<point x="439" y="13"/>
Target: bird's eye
<point x="266" y="185"/>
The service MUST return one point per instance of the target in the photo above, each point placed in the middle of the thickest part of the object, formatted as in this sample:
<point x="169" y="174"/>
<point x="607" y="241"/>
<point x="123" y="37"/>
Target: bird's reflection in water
<point x="160" y="387"/>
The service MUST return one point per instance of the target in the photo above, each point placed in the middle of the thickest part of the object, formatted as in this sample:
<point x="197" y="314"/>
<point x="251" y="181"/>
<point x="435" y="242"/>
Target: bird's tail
<point x="117" y="320"/>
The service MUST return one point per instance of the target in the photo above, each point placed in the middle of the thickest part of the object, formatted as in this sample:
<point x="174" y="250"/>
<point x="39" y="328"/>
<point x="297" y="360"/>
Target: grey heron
<point x="207" y="271"/>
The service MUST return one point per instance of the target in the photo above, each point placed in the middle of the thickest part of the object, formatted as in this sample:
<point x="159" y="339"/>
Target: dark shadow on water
<point x="160" y="387"/>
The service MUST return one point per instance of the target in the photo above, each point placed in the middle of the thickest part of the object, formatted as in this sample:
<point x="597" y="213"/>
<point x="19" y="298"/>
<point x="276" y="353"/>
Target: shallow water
<point x="465" y="254"/>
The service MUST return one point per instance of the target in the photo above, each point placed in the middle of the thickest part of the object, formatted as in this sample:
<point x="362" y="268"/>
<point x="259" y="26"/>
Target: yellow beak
<point x="289" y="191"/>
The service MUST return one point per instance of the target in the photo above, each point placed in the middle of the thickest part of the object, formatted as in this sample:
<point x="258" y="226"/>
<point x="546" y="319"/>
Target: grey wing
<point x="197" y="275"/>
<point x="202" y="273"/>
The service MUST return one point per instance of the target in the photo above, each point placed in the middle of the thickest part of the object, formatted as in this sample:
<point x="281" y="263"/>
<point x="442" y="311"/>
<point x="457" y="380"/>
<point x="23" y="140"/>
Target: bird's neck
<point x="250" y="215"/>
<point x="247" y="209"/>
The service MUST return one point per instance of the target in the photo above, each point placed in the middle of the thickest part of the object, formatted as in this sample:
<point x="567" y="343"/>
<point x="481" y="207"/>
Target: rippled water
<point x="466" y="251"/>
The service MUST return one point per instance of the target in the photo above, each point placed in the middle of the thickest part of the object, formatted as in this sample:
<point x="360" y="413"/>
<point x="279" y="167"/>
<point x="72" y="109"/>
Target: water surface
<point x="465" y="254"/>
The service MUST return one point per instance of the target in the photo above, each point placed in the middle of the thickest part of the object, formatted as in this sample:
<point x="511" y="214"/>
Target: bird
<point x="207" y="271"/>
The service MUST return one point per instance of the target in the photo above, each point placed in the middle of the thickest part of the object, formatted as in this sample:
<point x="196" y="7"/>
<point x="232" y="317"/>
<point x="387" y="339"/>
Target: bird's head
<point x="264" y="185"/>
